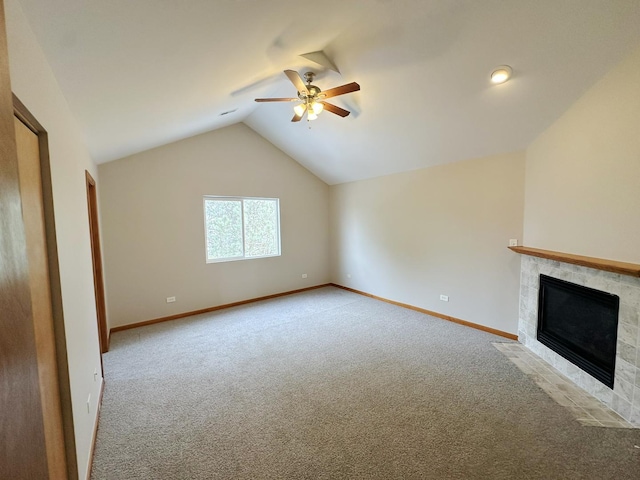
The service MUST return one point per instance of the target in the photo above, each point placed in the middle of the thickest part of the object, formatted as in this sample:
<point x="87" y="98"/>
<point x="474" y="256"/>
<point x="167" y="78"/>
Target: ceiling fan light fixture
<point x="317" y="107"/>
<point x="501" y="74"/>
<point x="311" y="115"/>
<point x="299" y="109"/>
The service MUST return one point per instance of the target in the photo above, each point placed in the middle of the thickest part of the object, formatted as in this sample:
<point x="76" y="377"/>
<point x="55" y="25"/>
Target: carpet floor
<point x="328" y="384"/>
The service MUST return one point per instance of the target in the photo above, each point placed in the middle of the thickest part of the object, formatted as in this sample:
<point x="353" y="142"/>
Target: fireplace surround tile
<point x="627" y="352"/>
<point x="628" y="333"/>
<point x="625" y="397"/>
<point x="632" y="295"/>
<point x="635" y="416"/>
<point x="623" y="389"/>
<point x="629" y="315"/>
<point x="602" y="393"/>
<point x="626" y="371"/>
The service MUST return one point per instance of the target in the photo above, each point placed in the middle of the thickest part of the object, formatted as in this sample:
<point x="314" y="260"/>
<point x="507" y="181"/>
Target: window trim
<point x="241" y="200"/>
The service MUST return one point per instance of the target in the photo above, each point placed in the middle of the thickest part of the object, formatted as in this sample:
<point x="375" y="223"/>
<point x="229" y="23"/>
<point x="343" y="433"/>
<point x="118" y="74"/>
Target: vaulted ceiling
<point x="140" y="74"/>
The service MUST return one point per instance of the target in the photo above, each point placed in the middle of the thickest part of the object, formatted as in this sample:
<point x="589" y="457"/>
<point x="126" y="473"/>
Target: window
<point x="237" y="228"/>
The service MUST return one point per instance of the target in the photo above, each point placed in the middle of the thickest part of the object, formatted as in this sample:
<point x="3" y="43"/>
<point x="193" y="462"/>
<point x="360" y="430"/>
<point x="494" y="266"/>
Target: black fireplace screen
<point x="580" y="324"/>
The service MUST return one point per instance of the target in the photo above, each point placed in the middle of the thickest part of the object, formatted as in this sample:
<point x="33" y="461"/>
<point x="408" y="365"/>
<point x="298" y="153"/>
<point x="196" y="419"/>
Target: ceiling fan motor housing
<point x="313" y="93"/>
<point x="312" y="89"/>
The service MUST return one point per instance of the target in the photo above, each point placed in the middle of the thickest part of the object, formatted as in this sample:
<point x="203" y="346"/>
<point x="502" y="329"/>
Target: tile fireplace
<point x="624" y="397"/>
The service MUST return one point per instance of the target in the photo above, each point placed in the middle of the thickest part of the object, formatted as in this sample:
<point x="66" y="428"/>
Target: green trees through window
<point x="240" y="227"/>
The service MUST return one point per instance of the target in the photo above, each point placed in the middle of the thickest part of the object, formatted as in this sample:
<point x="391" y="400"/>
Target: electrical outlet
<point x="304" y="275"/>
<point x="444" y="298"/>
<point x="171" y="299"/>
<point x="513" y="242"/>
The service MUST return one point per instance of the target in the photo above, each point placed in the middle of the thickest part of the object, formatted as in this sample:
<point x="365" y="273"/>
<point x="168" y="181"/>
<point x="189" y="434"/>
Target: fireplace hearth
<point x="580" y="324"/>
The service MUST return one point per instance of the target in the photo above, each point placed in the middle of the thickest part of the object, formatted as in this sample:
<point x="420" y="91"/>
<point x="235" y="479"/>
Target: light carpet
<point x="328" y="384"/>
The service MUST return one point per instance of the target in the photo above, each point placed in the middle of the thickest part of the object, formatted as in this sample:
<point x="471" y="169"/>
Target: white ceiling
<point x="139" y="74"/>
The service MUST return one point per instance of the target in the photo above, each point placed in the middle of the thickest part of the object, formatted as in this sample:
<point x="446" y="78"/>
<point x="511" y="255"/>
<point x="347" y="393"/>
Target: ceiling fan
<point x="312" y="98"/>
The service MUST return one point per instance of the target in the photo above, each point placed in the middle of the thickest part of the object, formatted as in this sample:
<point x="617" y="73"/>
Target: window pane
<point x="224" y="228"/>
<point x="261" y="228"/>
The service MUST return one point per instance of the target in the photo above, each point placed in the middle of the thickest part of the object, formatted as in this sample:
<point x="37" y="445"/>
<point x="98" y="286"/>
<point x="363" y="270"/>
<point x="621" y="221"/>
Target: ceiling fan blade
<point x="341" y="90"/>
<point x="296" y="117"/>
<point x="277" y="99"/>
<point x="296" y="80"/>
<point x="330" y="107"/>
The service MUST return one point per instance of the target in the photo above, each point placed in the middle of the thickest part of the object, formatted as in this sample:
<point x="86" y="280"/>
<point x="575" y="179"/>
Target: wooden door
<point x="23" y="452"/>
<point x="29" y="174"/>
<point x="33" y="442"/>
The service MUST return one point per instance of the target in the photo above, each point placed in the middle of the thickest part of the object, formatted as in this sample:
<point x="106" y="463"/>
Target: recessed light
<point x="501" y="74"/>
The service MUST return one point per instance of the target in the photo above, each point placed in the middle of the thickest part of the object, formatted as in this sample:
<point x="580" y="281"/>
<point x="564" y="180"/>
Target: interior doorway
<point x="36" y="198"/>
<point x="96" y="254"/>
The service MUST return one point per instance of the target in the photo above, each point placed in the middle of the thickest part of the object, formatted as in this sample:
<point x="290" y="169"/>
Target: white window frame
<point x="241" y="200"/>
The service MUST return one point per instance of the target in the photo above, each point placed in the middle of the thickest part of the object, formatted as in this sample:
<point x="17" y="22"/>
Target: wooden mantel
<point x="623" y="268"/>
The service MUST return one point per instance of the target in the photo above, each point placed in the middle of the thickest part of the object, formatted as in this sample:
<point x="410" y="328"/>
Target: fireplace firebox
<point x="580" y="324"/>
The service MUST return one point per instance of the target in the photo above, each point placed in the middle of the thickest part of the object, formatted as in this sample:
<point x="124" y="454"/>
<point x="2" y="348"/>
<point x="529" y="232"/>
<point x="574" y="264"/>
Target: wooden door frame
<point x="24" y="115"/>
<point x="22" y="435"/>
<point x="96" y="256"/>
<point x="23" y="454"/>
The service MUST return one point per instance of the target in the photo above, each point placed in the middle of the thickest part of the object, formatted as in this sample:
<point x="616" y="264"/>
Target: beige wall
<point x="153" y="226"/>
<point x="33" y="82"/>
<point x="443" y="230"/>
<point x="583" y="173"/>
